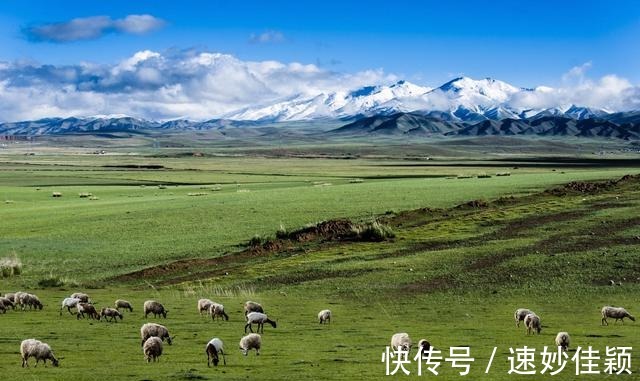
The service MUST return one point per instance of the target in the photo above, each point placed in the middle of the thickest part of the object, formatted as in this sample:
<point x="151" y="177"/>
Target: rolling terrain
<point x="454" y="271"/>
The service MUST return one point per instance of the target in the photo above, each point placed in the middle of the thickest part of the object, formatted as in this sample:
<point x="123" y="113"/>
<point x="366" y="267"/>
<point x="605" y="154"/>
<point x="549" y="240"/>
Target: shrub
<point x="50" y="282"/>
<point x="484" y="176"/>
<point x="282" y="232"/>
<point x="256" y="240"/>
<point x="372" y="231"/>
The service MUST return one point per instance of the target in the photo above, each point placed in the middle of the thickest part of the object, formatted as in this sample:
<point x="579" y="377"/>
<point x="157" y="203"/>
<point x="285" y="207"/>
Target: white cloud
<point x="610" y="92"/>
<point x="204" y="85"/>
<point x="89" y="28"/>
<point x="266" y="37"/>
<point x="197" y="85"/>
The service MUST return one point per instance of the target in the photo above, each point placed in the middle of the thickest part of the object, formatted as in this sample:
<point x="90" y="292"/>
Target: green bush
<point x="282" y="233"/>
<point x="372" y="232"/>
<point x="256" y="241"/>
<point x="50" y="282"/>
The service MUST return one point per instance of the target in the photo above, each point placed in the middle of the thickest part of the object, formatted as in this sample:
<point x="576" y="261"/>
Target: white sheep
<point x="217" y="309"/>
<point x="532" y="322"/>
<point x="324" y="316"/>
<point x="125" y="305"/>
<point x="203" y="305"/>
<point x="151" y="306"/>
<point x="212" y="349"/>
<point x="39" y="350"/>
<point x="30" y="300"/>
<point x="259" y="319"/>
<point x="88" y="309"/>
<point x="152" y="349"/>
<point x="401" y="341"/>
<point x="617" y="313"/>
<point x="249" y="342"/>
<point x="69" y="303"/>
<point x="6" y="303"/>
<point x="563" y="340"/>
<point x="84" y="298"/>
<point x="154" y="330"/>
<point x="250" y="306"/>
<point x="112" y="313"/>
<point x="11" y="296"/>
<point x="520" y="314"/>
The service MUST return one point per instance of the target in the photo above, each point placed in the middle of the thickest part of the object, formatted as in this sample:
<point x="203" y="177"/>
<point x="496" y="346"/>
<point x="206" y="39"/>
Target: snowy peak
<point x="478" y="91"/>
<point x="339" y="104"/>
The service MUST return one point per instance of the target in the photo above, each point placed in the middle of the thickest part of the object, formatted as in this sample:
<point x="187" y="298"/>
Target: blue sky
<point x="426" y="42"/>
<point x="209" y="59"/>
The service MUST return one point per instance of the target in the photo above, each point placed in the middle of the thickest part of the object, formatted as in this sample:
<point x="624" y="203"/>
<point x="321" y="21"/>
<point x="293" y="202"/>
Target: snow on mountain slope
<point x="366" y="100"/>
<point x="463" y="98"/>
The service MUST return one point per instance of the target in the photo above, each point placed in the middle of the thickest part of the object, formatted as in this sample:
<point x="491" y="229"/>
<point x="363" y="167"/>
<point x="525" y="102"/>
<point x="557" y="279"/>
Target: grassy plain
<point x="452" y="275"/>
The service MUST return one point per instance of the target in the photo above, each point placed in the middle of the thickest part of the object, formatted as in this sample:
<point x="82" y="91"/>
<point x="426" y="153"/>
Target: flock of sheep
<point x="152" y="334"/>
<point x="532" y="323"/>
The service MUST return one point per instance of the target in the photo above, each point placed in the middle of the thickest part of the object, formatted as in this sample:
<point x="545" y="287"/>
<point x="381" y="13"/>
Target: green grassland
<point x="453" y="275"/>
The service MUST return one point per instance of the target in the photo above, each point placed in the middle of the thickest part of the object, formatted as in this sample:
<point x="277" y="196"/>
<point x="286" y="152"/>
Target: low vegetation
<point x="449" y="262"/>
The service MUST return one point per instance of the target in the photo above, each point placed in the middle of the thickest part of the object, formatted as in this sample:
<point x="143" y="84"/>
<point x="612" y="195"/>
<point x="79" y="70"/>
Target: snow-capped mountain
<point x="400" y="96"/>
<point x="463" y="98"/>
<point x="459" y="103"/>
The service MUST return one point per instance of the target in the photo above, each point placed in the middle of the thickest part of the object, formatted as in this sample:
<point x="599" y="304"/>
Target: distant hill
<point x="417" y="124"/>
<point x="409" y="124"/>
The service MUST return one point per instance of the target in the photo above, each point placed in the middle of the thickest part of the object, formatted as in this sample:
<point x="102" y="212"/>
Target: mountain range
<point x="461" y="107"/>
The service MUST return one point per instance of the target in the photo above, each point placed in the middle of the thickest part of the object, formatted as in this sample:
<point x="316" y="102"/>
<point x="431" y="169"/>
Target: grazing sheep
<point x="424" y="346"/>
<point x="250" y="306"/>
<point x="30" y="300"/>
<point x="112" y="313"/>
<point x="11" y="296"/>
<point x="154" y="330"/>
<point x="617" y="313"/>
<point x="520" y="314"/>
<point x="39" y="350"/>
<point x="151" y="306"/>
<point x="213" y="348"/>
<point x="401" y="340"/>
<point x="259" y="319"/>
<point x="6" y="302"/>
<point x="203" y="305"/>
<point x="3" y="309"/>
<point x="563" y="340"/>
<point x="152" y="349"/>
<point x="84" y="298"/>
<point x="216" y="309"/>
<point x="249" y="342"/>
<point x="324" y="316"/>
<point x="532" y="321"/>
<point x="125" y="305"/>
<point x="89" y="309"/>
<point x="69" y="303"/>
<point x="17" y="297"/>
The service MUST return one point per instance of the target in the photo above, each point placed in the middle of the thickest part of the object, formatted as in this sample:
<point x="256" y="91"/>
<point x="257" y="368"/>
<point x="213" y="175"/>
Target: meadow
<point x="453" y="275"/>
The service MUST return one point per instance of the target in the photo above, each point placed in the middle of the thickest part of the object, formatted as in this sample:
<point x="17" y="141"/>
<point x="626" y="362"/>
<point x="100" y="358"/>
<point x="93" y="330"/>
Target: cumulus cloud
<point x="152" y="85"/>
<point x="577" y="73"/>
<point x="268" y="36"/>
<point x="609" y="92"/>
<point x="90" y="28"/>
<point x="203" y="85"/>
